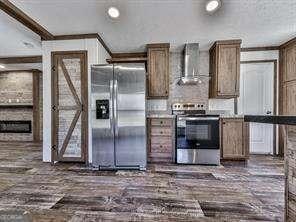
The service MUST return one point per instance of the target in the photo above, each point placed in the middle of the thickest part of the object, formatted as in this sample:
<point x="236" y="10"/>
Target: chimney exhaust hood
<point x="190" y="74"/>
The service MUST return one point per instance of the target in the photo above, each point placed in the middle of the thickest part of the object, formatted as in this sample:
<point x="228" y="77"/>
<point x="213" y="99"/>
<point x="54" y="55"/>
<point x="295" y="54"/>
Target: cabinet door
<point x="233" y="138"/>
<point x="290" y="63"/>
<point x="213" y="73"/>
<point x="228" y="70"/>
<point x="158" y="72"/>
<point x="290" y="98"/>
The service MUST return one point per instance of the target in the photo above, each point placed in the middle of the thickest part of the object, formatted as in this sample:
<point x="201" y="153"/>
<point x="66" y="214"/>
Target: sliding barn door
<point x="69" y="106"/>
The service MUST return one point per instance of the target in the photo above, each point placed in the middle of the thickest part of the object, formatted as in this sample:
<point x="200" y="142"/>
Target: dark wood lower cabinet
<point x="161" y="140"/>
<point x="234" y="139"/>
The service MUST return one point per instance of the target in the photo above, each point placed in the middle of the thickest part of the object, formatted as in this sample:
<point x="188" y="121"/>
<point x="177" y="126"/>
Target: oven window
<point x="198" y="132"/>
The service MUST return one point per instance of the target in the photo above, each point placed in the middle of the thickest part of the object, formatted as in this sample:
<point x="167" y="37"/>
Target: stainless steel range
<point x="197" y="135"/>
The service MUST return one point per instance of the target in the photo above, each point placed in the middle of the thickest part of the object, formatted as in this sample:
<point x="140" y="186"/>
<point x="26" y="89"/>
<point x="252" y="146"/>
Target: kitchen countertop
<point x="283" y="120"/>
<point x="166" y="115"/>
<point x="160" y="115"/>
<point x="230" y="116"/>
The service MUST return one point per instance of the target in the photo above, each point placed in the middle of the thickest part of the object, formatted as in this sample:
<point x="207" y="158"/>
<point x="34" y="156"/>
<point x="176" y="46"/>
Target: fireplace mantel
<point x="16" y="106"/>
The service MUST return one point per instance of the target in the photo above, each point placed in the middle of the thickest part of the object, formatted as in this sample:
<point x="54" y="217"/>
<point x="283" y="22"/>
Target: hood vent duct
<point x="190" y="74"/>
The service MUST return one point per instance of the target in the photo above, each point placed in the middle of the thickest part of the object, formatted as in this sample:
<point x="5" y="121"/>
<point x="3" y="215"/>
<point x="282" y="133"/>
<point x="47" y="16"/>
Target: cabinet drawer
<point x="161" y="155"/>
<point x="161" y="122"/>
<point x="161" y="148"/>
<point x="157" y="159"/>
<point x="163" y="140"/>
<point x="161" y="131"/>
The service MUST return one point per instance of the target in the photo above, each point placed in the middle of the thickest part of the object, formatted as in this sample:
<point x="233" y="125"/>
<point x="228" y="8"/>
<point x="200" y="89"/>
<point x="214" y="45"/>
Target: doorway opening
<point x="258" y="96"/>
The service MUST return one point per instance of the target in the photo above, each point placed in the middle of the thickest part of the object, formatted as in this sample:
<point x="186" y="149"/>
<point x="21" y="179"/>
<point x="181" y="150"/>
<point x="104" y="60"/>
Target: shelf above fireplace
<point x="16" y="106"/>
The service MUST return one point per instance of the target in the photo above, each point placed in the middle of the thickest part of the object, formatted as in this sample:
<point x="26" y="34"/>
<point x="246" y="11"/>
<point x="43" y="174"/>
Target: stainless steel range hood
<point x="190" y="75"/>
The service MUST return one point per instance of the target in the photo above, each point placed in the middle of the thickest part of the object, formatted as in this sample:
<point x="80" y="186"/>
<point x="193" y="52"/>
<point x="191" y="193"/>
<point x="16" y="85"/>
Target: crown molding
<point x="21" y="59"/>
<point x="23" y="18"/>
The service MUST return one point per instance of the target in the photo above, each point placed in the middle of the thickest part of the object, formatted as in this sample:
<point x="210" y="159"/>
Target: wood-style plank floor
<point x="31" y="190"/>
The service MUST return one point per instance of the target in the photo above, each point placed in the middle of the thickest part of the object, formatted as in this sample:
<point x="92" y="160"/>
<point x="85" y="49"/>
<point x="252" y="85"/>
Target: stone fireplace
<point x="20" y="106"/>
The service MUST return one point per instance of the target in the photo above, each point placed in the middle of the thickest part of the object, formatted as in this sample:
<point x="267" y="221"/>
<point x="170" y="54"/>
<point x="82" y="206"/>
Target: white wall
<point x="96" y="54"/>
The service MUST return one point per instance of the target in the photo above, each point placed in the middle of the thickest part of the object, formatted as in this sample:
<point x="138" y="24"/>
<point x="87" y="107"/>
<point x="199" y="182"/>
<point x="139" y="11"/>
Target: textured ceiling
<point x="12" y="36"/>
<point x="256" y="22"/>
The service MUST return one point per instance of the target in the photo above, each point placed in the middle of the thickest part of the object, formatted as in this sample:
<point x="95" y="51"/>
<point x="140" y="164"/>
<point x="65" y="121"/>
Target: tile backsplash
<point x="183" y="93"/>
<point x="188" y="93"/>
<point x="157" y="105"/>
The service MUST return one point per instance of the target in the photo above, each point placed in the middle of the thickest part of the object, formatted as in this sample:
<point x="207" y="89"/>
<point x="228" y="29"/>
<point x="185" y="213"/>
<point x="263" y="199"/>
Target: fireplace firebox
<point x="15" y="126"/>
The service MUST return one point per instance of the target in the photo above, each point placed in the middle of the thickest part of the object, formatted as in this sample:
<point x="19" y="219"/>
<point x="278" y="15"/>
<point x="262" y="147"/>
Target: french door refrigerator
<point x="118" y="116"/>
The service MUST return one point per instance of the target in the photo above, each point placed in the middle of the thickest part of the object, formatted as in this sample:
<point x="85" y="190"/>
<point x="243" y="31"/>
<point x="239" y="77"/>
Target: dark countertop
<point x="283" y="120"/>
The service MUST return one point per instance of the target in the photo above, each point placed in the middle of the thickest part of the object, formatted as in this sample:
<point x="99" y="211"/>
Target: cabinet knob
<point x="161" y="122"/>
<point x="161" y="132"/>
<point x="160" y="146"/>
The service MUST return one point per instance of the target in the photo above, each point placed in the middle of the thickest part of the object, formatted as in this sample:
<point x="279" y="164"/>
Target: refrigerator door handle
<point x="115" y="107"/>
<point x="111" y="105"/>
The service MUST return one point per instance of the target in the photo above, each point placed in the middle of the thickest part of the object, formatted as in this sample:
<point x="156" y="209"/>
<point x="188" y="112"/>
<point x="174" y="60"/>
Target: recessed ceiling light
<point x="28" y="45"/>
<point x="213" y="5"/>
<point x="2" y="66"/>
<point x="113" y="12"/>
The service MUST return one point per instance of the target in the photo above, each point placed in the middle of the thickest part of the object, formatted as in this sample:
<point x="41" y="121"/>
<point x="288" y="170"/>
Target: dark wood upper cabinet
<point x="225" y="69"/>
<point x="289" y="54"/>
<point x="288" y="81"/>
<point x="158" y="70"/>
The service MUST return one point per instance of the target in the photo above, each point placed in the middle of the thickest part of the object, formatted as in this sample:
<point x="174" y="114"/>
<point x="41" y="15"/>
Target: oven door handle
<point x="198" y="118"/>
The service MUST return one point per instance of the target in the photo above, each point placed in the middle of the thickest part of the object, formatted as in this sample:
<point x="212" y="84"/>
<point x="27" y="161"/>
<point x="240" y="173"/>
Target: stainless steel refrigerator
<point x="118" y="116"/>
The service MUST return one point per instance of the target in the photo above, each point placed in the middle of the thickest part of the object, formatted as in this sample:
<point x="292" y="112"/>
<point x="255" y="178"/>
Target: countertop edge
<point x="281" y="120"/>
